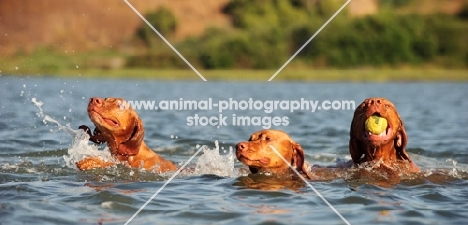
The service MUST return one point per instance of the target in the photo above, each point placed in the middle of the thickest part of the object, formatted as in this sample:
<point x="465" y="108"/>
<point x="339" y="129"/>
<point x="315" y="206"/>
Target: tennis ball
<point x="376" y="124"/>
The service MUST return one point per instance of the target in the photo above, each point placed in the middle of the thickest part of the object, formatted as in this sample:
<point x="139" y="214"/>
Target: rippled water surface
<point x="40" y="185"/>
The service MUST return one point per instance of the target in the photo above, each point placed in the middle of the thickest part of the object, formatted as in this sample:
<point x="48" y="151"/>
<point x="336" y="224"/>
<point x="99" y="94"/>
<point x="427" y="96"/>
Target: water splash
<point x="212" y="162"/>
<point x="453" y="172"/>
<point x="80" y="147"/>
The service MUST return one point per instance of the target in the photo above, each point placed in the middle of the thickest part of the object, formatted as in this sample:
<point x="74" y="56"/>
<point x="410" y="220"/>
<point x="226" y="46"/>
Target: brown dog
<point x="122" y="129"/>
<point x="260" y="157"/>
<point x="388" y="147"/>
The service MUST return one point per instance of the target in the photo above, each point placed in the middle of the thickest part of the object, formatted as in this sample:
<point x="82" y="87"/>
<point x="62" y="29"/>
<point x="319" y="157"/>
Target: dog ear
<point x="131" y="146"/>
<point x="400" y="141"/>
<point x="298" y="156"/>
<point x="355" y="150"/>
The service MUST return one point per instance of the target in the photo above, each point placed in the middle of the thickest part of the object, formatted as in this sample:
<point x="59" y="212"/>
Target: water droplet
<point x="77" y="66"/>
<point x="16" y="68"/>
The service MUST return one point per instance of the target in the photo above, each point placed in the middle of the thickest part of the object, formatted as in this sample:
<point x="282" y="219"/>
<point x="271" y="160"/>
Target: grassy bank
<point x="107" y="64"/>
<point x="327" y="75"/>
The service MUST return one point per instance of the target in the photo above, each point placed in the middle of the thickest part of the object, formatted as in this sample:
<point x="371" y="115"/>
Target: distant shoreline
<point x="324" y="75"/>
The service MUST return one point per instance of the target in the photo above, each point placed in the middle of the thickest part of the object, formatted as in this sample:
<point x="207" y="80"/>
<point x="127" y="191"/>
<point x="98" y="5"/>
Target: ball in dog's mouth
<point x="376" y="125"/>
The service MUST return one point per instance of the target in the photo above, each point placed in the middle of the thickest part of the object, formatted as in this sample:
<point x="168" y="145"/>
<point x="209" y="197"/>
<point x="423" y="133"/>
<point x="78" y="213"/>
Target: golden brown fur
<point x="122" y="130"/>
<point x="260" y="157"/>
<point x="389" y="149"/>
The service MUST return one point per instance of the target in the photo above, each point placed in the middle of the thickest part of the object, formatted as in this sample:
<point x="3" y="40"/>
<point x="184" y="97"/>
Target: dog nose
<point x="374" y="101"/>
<point x="241" y="146"/>
<point x="96" y="101"/>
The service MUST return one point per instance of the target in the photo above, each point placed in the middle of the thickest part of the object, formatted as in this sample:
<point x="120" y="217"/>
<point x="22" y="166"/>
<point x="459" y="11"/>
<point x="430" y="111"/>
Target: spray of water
<point x="211" y="162"/>
<point x="80" y="147"/>
<point x="453" y="172"/>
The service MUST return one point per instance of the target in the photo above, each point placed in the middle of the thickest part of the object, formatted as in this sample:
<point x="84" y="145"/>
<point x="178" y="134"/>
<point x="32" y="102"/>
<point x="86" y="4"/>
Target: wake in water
<point x="211" y="162"/>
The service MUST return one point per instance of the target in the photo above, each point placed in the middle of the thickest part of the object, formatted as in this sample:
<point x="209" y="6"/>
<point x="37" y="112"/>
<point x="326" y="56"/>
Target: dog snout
<point x="241" y="146"/>
<point x="374" y="102"/>
<point x="96" y="101"/>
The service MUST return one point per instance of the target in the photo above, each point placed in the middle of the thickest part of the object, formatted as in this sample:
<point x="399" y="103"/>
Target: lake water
<point x="40" y="185"/>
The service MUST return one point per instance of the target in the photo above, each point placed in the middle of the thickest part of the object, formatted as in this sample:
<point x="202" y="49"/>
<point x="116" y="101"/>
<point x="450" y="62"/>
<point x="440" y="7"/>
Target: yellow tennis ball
<point x="376" y="124"/>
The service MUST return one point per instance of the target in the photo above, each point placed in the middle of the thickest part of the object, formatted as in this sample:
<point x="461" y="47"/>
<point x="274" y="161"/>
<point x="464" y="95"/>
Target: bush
<point x="256" y="50"/>
<point x="163" y="20"/>
<point x="384" y="40"/>
<point x="253" y="14"/>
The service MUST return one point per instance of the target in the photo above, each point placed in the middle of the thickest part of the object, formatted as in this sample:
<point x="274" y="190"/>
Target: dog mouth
<point x="253" y="162"/>
<point x="377" y="128"/>
<point x="98" y="117"/>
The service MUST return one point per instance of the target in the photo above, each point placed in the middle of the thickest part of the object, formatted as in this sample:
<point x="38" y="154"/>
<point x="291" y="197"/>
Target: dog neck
<point x="385" y="153"/>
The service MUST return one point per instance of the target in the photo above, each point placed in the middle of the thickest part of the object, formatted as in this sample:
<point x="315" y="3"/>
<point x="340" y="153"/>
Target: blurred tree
<point x="254" y="14"/>
<point x="163" y="20"/>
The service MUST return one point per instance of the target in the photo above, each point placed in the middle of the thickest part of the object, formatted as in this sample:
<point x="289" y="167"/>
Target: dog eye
<point x="387" y="106"/>
<point x="267" y="138"/>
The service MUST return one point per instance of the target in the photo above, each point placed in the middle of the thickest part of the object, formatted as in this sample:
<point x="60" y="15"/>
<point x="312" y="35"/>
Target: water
<point x="39" y="184"/>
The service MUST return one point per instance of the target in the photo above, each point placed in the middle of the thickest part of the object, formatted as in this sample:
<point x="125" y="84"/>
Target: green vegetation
<point x="46" y="61"/>
<point x="163" y="20"/>
<point x="389" y="40"/>
<point x="265" y="33"/>
<point x="320" y="75"/>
